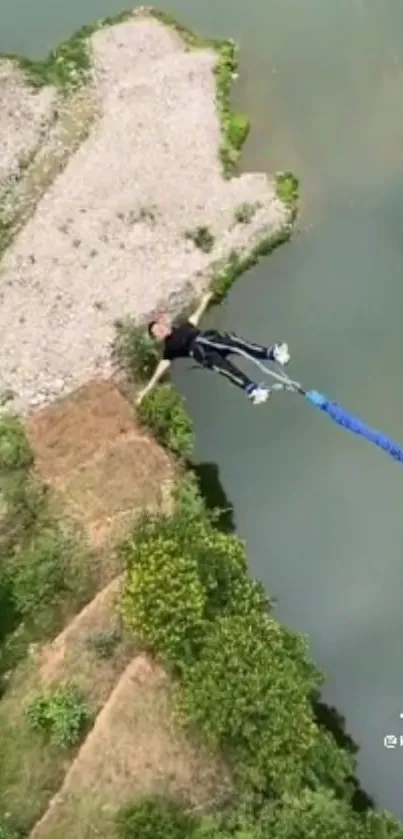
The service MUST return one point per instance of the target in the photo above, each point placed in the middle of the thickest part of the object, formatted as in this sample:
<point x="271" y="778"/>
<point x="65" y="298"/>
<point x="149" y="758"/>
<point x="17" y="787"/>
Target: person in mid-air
<point x="211" y="349"/>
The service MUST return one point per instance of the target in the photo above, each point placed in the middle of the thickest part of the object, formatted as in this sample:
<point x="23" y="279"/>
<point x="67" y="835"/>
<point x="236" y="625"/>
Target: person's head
<point x="160" y="328"/>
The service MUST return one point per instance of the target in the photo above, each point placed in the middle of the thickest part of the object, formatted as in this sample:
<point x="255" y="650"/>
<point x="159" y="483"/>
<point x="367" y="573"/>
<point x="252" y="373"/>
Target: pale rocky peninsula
<point x="113" y="200"/>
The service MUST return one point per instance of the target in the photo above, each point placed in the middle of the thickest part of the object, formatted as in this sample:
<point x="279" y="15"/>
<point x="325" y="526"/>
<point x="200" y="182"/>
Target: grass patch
<point x="134" y="351"/>
<point x="31" y="767"/>
<point x="202" y="238"/>
<point x="104" y="643"/>
<point x="238" y="264"/>
<point x="163" y="412"/>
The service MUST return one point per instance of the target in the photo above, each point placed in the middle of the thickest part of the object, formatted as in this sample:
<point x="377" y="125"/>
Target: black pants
<point x="211" y="349"/>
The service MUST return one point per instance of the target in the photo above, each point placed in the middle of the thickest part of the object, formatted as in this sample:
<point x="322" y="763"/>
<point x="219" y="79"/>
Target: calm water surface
<point x="322" y="512"/>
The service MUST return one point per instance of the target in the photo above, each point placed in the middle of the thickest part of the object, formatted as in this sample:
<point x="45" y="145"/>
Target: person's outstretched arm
<point x="196" y="317"/>
<point x="161" y="370"/>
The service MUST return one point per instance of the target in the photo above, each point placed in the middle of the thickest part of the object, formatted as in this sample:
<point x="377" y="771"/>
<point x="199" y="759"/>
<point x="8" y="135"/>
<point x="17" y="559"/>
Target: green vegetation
<point x="202" y="238"/>
<point x="8" y="831"/>
<point x="315" y="815"/>
<point x="245" y="684"/>
<point x="287" y="189"/>
<point x="62" y="716"/>
<point x="103" y="644"/>
<point x="234" y="125"/>
<point x="163" y="412"/>
<point x="238" y="264"/>
<point x="245" y="212"/>
<point x="134" y="350"/>
<point x="155" y="818"/>
<point x="14" y="449"/>
<point x="42" y="575"/>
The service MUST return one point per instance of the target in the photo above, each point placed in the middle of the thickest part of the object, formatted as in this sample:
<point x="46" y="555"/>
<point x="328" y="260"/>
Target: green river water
<point x="322" y="512"/>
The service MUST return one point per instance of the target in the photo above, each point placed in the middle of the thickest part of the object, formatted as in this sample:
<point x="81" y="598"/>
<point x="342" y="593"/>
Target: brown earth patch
<point x="73" y="657"/>
<point x="136" y="747"/>
<point x="104" y="468"/>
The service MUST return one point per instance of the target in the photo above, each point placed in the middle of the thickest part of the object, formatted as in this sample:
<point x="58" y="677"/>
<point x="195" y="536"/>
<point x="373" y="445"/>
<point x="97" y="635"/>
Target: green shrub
<point x="163" y="412"/>
<point x="202" y="238"/>
<point x="40" y="579"/>
<point x="311" y="815"/>
<point x="287" y="189"/>
<point x="163" y="602"/>
<point x="15" y="452"/>
<point x="61" y="715"/>
<point x="250" y="698"/>
<point x="330" y="765"/>
<point x="23" y="502"/>
<point x="134" y="350"/>
<point x="182" y="574"/>
<point x="104" y="643"/>
<point x="155" y="818"/>
<point x="187" y="498"/>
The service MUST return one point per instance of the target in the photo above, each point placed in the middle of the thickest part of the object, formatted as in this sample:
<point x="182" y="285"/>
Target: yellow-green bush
<point x="182" y="574"/>
<point x="250" y="698"/>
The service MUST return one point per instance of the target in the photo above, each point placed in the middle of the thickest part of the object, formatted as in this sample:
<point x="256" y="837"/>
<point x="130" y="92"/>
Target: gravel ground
<point x="108" y="238"/>
<point x="24" y="117"/>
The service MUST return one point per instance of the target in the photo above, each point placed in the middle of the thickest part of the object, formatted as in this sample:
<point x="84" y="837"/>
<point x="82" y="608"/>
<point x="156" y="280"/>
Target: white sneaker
<point x="281" y="354"/>
<point x="259" y="395"/>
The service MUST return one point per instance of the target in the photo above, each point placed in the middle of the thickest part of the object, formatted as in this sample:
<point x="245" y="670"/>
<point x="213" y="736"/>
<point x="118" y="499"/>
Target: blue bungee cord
<point x="332" y="409"/>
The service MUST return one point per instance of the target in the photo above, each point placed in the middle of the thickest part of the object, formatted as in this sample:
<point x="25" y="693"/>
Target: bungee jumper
<point x="212" y="350"/>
